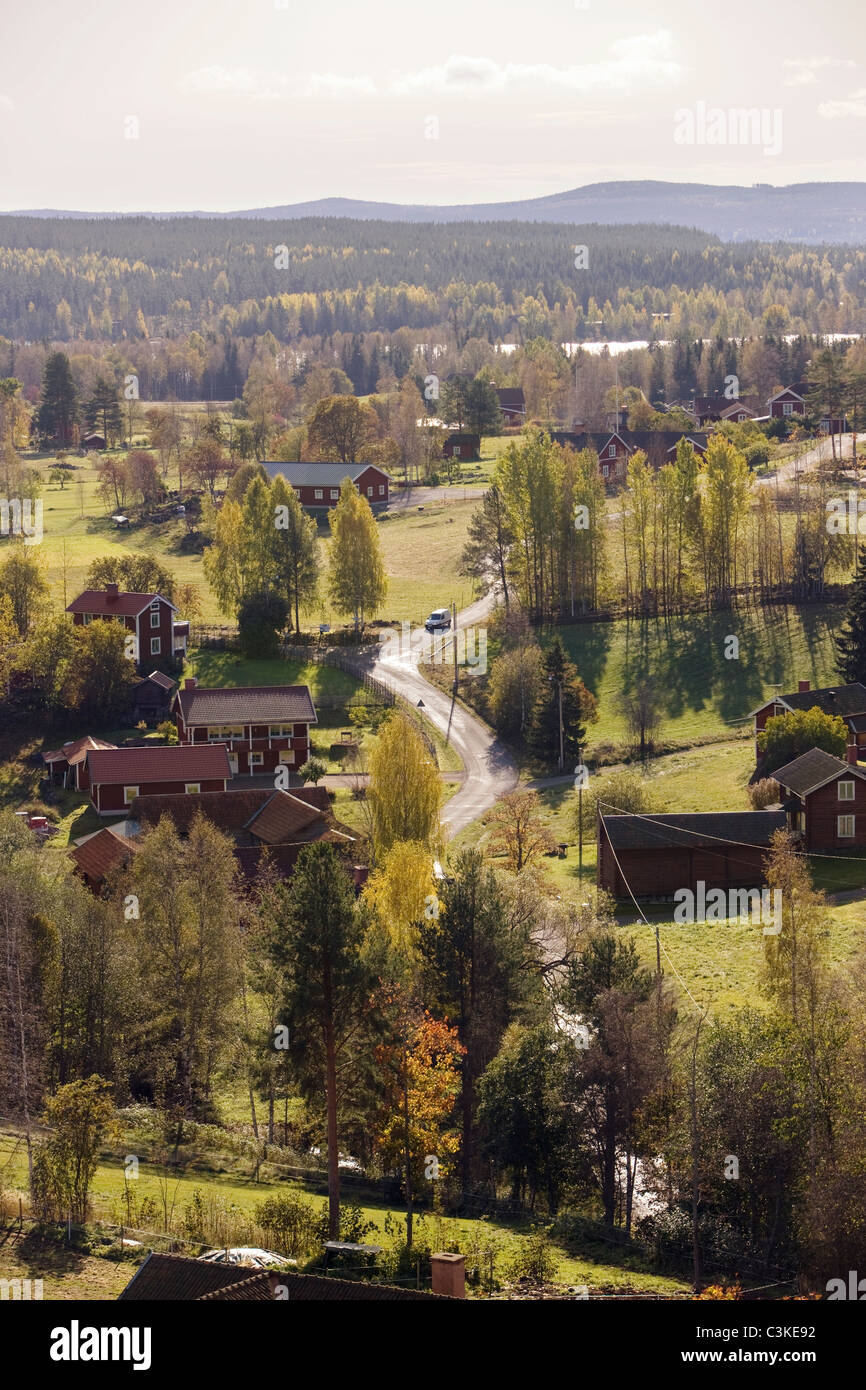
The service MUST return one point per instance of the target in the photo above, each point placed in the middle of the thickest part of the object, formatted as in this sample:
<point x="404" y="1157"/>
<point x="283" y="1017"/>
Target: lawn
<point x="421" y="550"/>
<point x="701" y="692"/>
<point x="596" y="1268"/>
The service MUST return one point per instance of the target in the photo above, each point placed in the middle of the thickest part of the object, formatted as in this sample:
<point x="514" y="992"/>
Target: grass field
<point x="617" y="1269"/>
<point x="421" y="551"/>
<point x="700" y="691"/>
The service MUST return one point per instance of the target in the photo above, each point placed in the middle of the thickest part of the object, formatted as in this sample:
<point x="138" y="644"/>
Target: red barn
<point x="263" y="727"/>
<point x="657" y="856"/>
<point x="119" y="775"/>
<point x="318" y="484"/>
<point x="67" y="766"/>
<point x="826" y="801"/>
<point x="152" y="619"/>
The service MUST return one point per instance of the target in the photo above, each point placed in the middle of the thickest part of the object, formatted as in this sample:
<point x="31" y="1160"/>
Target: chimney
<point x="190" y="683"/>
<point x="111" y="591"/>
<point x="803" y="686"/>
<point x="449" y="1274"/>
<point x="852" y="751"/>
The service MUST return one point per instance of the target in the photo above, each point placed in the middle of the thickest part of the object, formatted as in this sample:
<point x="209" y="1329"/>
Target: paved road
<point x="490" y="771"/>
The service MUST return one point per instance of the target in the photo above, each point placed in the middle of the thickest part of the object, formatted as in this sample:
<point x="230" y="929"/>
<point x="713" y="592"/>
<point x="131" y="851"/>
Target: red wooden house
<point x="99" y="855"/>
<point x="152" y="619"/>
<point x="119" y="775"/>
<point x="657" y="856"/>
<point x="67" y="766"/>
<point x="791" y="400"/>
<point x="849" y="701"/>
<point x="262" y="727"/>
<point x="614" y="450"/>
<point x="512" y="404"/>
<point x="318" y="484"/>
<point x="462" y="446"/>
<point x="826" y="801"/>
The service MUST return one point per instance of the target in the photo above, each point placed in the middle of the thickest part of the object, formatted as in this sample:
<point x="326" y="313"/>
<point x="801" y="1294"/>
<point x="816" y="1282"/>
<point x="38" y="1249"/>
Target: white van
<point x="439" y="618"/>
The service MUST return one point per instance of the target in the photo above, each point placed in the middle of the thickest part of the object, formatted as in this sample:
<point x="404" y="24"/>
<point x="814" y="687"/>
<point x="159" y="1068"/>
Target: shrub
<point x="289" y="1222"/>
<point x="534" y="1258"/>
<point x="766" y="792"/>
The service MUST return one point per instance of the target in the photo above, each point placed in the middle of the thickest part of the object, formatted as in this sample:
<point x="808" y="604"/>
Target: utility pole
<point x="454" y="639"/>
<point x="561" y="731"/>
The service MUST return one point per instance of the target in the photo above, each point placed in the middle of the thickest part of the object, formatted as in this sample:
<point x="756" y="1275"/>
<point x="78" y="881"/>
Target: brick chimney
<point x="190" y="683"/>
<point x="111" y="591"/>
<point x="449" y="1274"/>
<point x="852" y="751"/>
<point x="803" y="686"/>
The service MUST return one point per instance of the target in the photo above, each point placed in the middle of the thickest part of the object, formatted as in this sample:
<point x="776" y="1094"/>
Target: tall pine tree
<point x="578" y="708"/>
<point x="851" y="638"/>
<point x="58" y="404"/>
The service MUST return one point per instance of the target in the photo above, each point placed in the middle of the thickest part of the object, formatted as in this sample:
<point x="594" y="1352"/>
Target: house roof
<point x="76" y="751"/>
<point x="251" y="704"/>
<point x="121" y="605"/>
<point x="99" y="853"/>
<point x="691" y="830"/>
<point x="230" y="811"/>
<point x="813" y="770"/>
<point x="176" y="1278"/>
<point x="799" y="389"/>
<point x="834" y="699"/>
<point x="511" y="397"/>
<point x="457" y="435"/>
<point x="281" y="818"/>
<point x="158" y="678"/>
<point x="183" y="762"/>
<point x="179" y="1278"/>
<point x="320" y="474"/>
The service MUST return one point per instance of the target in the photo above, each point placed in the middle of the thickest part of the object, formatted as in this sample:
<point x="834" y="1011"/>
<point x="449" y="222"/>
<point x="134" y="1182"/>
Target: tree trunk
<point x="333" y="1142"/>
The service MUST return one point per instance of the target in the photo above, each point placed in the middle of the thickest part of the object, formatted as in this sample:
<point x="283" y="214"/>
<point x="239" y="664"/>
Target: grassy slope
<point x="421" y="550"/>
<point x="702" y="693"/>
<point x="241" y="1191"/>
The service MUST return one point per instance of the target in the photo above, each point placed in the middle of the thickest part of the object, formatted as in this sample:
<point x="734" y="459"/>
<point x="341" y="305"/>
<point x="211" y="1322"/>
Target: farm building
<point x="318" y="484"/>
<point x="654" y="856"/>
<point x="119" y="775"/>
<point x="849" y="701"/>
<point x="152" y="619"/>
<point x="826" y="801"/>
<point x="67" y="766"/>
<point x="462" y="446"/>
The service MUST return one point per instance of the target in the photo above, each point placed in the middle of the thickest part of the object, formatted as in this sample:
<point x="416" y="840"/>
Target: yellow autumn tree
<point x="357" y="581"/>
<point x="400" y="891"/>
<point x="405" y="792"/>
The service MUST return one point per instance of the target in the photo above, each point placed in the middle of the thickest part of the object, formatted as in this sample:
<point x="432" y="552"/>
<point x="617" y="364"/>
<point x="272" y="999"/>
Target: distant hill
<point x="802" y="212"/>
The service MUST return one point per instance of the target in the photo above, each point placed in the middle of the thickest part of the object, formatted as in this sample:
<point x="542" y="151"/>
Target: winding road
<point x="490" y="771"/>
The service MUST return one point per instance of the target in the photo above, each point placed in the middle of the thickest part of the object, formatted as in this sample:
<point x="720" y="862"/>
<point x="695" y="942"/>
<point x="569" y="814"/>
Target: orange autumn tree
<point x="420" y="1066"/>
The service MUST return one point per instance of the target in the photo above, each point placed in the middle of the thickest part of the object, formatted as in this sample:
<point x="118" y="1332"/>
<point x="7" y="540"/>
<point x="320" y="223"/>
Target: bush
<point x="290" y="1223"/>
<point x="167" y="730"/>
<point x="766" y="792"/>
<point x="534" y="1259"/>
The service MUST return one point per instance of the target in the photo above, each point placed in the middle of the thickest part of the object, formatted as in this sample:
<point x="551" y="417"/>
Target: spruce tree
<point x="102" y="411"/>
<point x="578" y="708"/>
<point x="851" y="638"/>
<point x="58" y="405"/>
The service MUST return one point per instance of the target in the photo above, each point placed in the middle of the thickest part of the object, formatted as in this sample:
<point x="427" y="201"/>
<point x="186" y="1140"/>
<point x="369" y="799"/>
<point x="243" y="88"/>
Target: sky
<point x="230" y="104"/>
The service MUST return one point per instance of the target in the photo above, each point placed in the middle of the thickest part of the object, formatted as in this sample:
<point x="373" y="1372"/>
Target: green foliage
<point x="534" y="1258"/>
<point x="261" y="619"/>
<point x="786" y="736"/>
<point x="851" y="637"/>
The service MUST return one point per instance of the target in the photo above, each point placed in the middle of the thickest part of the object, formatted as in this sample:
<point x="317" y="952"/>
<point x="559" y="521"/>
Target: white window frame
<point x="281" y="731"/>
<point x="256" y="759"/>
<point x="192" y="788"/>
<point x="318" y="494"/>
<point x="369" y="492"/>
<point x="787" y="407"/>
<point x="842" y="831"/>
<point x="605" y="471"/>
<point x="287" y="756"/>
<point x="381" y="489"/>
<point x="456" y="451"/>
<point x="335" y="494"/>
<point x="156" y="646"/>
<point x="154" y="617"/>
<point x="846" y="790"/>
<point x="86" y="618"/>
<point x="611" y="451"/>
<point x="127" y="798"/>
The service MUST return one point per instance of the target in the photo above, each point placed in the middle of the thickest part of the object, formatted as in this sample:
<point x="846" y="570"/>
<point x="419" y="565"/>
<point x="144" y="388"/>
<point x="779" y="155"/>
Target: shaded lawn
<point x="684" y="657"/>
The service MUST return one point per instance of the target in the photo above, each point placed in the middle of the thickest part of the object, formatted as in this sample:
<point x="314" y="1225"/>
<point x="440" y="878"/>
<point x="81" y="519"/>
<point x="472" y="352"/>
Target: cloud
<point x="644" y="58"/>
<point x="329" y="84"/>
<point x="220" y="80"/>
<point x="854" y="105"/>
<point x="803" y="72"/>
